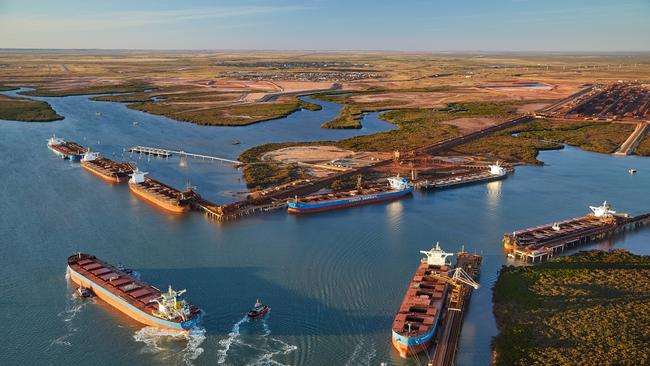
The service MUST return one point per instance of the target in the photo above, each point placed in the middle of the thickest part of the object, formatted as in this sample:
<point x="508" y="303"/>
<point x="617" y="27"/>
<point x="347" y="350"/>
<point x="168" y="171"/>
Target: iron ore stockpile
<point x="131" y="296"/>
<point x="105" y="168"/>
<point x="433" y="306"/>
<point x="543" y="242"/>
<point x="619" y="101"/>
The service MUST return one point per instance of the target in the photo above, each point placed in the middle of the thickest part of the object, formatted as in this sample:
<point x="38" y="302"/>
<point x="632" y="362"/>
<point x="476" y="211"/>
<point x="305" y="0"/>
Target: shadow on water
<point x="224" y="295"/>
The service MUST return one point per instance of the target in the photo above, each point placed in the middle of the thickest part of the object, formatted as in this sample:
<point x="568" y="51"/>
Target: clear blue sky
<point x="427" y="25"/>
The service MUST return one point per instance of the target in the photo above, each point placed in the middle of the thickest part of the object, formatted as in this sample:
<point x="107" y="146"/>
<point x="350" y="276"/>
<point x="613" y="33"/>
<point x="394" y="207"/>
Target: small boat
<point x="124" y="269"/>
<point x="258" y="310"/>
<point x="236" y="142"/>
<point x="84" y="292"/>
<point x="98" y="114"/>
<point x="632" y="171"/>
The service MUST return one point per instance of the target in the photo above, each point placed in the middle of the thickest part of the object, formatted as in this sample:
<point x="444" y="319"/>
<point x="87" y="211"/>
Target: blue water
<point x="333" y="280"/>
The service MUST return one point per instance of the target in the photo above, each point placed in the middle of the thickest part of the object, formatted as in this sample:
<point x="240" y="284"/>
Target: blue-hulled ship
<point x="397" y="187"/>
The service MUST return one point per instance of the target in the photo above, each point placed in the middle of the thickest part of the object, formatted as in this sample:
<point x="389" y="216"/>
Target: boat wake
<point x="363" y="354"/>
<point x="165" y="343"/>
<point x="74" y="306"/>
<point x="254" y="347"/>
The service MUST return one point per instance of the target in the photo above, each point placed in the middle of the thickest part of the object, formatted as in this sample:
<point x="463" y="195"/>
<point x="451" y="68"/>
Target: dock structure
<point x="452" y="322"/>
<point x="633" y="140"/>
<point x="541" y="243"/>
<point x="165" y="153"/>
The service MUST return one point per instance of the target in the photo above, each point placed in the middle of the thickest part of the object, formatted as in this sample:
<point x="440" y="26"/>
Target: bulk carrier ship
<point x="138" y="300"/>
<point x="397" y="187"/>
<point x="418" y="317"/>
<point x="158" y="193"/>
<point x="106" y="169"/>
<point x="64" y="149"/>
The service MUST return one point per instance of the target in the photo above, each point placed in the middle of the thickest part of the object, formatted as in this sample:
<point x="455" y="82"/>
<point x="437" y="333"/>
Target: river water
<point x="333" y="280"/>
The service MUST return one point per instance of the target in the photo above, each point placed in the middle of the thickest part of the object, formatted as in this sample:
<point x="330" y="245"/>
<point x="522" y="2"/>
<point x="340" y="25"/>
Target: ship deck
<point x="422" y="303"/>
<point x="161" y="190"/>
<point x="117" y="282"/>
<point x="343" y="195"/>
<point x="69" y="148"/>
<point x="110" y="167"/>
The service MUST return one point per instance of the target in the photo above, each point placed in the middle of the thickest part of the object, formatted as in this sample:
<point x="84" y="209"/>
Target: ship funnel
<point x="137" y="176"/>
<point x="436" y="256"/>
<point x="602" y="211"/>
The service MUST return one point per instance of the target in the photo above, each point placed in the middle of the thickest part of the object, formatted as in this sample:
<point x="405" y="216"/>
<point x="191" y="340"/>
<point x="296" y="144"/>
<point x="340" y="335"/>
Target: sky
<point x="395" y="25"/>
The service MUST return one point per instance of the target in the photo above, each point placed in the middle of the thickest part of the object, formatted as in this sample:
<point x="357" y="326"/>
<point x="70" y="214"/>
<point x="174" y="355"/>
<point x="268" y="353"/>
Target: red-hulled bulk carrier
<point x="140" y="301"/>
<point x="418" y="317"/>
<point x="158" y="193"/>
<point x="65" y="149"/>
<point x="106" y="169"/>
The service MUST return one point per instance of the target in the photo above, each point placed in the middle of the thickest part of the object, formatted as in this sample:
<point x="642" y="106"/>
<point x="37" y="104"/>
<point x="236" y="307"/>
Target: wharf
<point x="452" y="322"/>
<point x="165" y="153"/>
<point x="541" y="243"/>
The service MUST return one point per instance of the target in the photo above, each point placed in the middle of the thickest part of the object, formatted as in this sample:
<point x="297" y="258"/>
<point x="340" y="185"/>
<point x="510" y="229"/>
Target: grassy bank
<point x="231" y="115"/>
<point x="131" y="87"/>
<point x="644" y="146"/>
<point x="26" y="110"/>
<point x="420" y="127"/>
<point x="6" y="88"/>
<point x="266" y="174"/>
<point x="591" y="136"/>
<point x="415" y="128"/>
<point x="591" y="308"/>
<point x="205" y="107"/>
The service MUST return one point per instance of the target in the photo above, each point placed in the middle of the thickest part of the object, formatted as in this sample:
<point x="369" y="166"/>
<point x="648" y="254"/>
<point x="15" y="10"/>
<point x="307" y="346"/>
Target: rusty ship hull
<point x="108" y="169"/>
<point x="68" y="150"/>
<point x="123" y="292"/>
<point x="418" y="318"/>
<point x="160" y="195"/>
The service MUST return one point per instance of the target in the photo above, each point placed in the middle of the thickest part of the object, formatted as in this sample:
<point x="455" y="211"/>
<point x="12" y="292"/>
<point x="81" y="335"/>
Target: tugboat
<point x="84" y="292"/>
<point x="258" y="310"/>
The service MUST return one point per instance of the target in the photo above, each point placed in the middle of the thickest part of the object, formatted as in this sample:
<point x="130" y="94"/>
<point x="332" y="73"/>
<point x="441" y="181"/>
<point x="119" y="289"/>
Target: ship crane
<point x="457" y="278"/>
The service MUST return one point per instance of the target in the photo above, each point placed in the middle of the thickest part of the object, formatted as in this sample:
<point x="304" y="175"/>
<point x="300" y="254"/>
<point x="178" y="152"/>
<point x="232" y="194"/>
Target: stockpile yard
<point x="628" y="101"/>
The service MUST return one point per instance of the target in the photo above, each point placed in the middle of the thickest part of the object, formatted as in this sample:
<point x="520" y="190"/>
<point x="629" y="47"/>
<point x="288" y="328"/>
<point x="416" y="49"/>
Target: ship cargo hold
<point x="65" y="149"/>
<point x="106" y="169"/>
<point x="158" y="193"/>
<point x="418" y="317"/>
<point x="140" y="301"/>
<point x="397" y="188"/>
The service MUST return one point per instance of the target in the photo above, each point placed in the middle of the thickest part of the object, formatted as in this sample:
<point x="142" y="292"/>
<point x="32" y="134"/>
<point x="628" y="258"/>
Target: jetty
<point x="633" y="140"/>
<point x="542" y="243"/>
<point x="466" y="273"/>
<point x="166" y="153"/>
